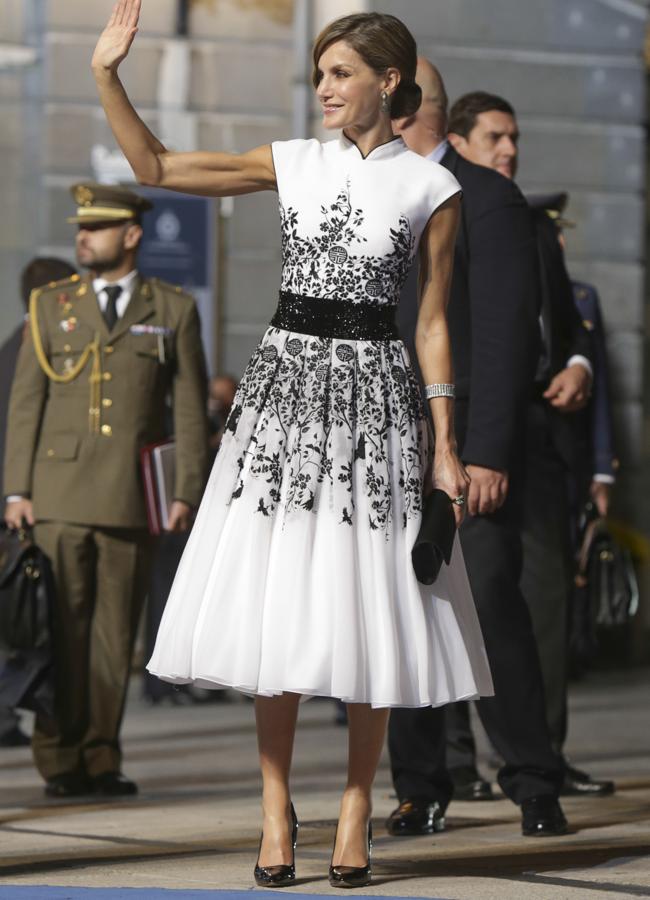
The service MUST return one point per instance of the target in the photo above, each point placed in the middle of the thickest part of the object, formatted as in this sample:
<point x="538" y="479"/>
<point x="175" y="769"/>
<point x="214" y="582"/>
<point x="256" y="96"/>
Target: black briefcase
<point x="25" y="593"/>
<point x="435" y="539"/>
<point x="26" y="602"/>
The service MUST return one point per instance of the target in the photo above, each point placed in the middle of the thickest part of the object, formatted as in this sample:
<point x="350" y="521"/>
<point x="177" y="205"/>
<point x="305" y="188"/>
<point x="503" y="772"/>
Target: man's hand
<point x="180" y="516"/>
<point x="600" y="494"/>
<point x="569" y="390"/>
<point x="18" y="510"/>
<point x="488" y="489"/>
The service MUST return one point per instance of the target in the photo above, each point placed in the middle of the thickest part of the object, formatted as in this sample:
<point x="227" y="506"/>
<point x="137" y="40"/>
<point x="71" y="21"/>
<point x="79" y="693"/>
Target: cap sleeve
<point x="443" y="186"/>
<point x="287" y="157"/>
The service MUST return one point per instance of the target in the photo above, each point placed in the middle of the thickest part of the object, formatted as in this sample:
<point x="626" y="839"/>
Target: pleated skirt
<point x="297" y="575"/>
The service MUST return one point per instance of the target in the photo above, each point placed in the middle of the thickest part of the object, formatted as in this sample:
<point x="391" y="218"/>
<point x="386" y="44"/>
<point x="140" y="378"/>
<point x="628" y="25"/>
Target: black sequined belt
<point x="335" y="318"/>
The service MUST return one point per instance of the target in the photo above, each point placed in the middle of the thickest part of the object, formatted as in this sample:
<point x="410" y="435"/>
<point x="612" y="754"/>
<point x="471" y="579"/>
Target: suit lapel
<point x="87" y="306"/>
<point x="450" y="159"/>
<point x="140" y="307"/>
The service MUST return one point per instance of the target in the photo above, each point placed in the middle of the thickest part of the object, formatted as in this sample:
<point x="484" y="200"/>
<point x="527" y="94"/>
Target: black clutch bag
<point x="435" y="538"/>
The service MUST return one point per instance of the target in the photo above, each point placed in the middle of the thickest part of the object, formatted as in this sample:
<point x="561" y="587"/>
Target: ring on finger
<point x="459" y="500"/>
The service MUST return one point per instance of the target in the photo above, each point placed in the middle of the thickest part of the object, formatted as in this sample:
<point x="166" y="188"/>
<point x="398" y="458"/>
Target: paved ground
<point x="194" y="826"/>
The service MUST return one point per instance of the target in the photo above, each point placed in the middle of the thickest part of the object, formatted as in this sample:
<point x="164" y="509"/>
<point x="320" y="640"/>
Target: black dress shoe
<point x="352" y="876"/>
<point x="68" y="784"/>
<point x="416" y="817"/>
<point x="113" y="784"/>
<point x="542" y="817"/>
<point x="282" y="875"/>
<point x="15" y="738"/>
<point x="468" y="785"/>
<point x="579" y="784"/>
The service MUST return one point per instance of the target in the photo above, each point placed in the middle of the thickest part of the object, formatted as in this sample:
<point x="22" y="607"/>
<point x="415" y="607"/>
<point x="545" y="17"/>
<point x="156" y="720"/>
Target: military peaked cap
<point x="106" y="203"/>
<point x="553" y="205"/>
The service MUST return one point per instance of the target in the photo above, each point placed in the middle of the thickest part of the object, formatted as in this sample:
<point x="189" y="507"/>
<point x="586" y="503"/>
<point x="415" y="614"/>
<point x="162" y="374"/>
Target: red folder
<point x="158" y="463"/>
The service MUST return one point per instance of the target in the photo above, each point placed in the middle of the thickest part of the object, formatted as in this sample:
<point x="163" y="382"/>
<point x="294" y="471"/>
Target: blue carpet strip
<point x="29" y="892"/>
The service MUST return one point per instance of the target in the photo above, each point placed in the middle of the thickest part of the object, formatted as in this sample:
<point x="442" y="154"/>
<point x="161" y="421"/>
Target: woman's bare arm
<point x="432" y="342"/>
<point x="211" y="174"/>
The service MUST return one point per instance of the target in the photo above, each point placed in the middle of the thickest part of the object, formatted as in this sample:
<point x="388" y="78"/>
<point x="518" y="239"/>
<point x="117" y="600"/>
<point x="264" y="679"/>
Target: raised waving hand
<point x="209" y="174"/>
<point x="115" y="40"/>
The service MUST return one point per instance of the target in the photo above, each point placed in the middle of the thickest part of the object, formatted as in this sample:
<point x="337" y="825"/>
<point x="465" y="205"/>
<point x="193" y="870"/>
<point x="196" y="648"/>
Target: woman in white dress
<point x="297" y="579"/>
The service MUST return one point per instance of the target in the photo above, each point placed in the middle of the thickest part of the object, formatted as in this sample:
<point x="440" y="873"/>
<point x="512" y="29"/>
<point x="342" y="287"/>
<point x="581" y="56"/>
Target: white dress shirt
<point x="437" y="154"/>
<point x="127" y="283"/>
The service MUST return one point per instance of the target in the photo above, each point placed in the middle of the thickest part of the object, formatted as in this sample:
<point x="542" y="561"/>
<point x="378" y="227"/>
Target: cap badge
<point x="83" y="195"/>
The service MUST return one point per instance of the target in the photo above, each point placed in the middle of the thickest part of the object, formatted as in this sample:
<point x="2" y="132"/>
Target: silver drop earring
<point x="385" y="102"/>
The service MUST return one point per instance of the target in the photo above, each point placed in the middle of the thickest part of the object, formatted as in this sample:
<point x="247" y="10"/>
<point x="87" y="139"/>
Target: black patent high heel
<point x="279" y="876"/>
<point x="352" y="876"/>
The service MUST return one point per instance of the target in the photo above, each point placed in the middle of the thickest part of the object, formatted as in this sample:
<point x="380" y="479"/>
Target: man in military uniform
<point x="102" y="354"/>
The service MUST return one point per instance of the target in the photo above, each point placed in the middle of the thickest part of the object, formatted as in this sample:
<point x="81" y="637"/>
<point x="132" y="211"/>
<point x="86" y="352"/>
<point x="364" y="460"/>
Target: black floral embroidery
<point x="318" y="423"/>
<point x="325" y="265"/>
<point x="322" y="422"/>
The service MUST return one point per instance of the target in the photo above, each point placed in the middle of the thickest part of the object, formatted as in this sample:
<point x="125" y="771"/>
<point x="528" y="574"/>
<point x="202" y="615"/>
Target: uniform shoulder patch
<point x="174" y="289"/>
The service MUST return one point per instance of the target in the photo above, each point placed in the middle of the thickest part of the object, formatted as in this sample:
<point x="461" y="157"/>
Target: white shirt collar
<point x="127" y="283"/>
<point x="437" y="154"/>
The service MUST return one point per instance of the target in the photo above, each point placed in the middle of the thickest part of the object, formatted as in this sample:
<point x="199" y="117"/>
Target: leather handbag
<point x="26" y="602"/>
<point x="435" y="539"/>
<point x="25" y="593"/>
<point x="606" y="592"/>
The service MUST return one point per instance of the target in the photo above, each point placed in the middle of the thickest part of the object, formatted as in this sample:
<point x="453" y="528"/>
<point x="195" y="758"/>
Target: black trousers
<point x="169" y="548"/>
<point x="515" y="718"/>
<point x="545" y="582"/>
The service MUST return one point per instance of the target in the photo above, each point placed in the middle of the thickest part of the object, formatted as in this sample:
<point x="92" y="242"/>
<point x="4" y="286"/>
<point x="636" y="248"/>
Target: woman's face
<point x="349" y="91"/>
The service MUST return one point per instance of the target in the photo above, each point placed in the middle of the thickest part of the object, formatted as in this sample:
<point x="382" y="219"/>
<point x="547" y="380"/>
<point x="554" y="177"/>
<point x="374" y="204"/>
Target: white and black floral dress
<point x="298" y="576"/>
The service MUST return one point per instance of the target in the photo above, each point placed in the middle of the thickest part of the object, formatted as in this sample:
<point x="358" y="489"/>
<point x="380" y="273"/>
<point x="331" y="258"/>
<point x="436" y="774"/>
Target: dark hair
<point x="40" y="271"/>
<point x="464" y="112"/>
<point x="382" y="41"/>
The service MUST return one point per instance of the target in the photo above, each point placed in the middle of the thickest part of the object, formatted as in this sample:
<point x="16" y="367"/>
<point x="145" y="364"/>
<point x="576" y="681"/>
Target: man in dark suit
<point x="493" y="313"/>
<point x="36" y="273"/>
<point x="605" y="463"/>
<point x="483" y="129"/>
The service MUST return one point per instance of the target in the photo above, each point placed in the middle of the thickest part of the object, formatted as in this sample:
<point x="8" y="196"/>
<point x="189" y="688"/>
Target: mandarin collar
<point x="382" y="151"/>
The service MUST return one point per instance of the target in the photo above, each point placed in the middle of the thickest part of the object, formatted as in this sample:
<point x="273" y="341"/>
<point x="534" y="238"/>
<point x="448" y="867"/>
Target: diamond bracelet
<point x="440" y="390"/>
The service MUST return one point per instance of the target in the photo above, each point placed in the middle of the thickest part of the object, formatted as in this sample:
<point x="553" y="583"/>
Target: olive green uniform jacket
<point x="83" y="468"/>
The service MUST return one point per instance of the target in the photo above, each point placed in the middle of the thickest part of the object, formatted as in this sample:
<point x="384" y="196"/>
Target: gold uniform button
<point x="50" y="452"/>
<point x="107" y="430"/>
<point x="108" y="349"/>
<point x="67" y="348"/>
<point x="107" y="376"/>
<point x="106" y="402"/>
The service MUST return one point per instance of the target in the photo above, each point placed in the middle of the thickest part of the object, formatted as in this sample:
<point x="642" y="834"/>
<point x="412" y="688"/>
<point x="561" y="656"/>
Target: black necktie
<point x="112" y="291"/>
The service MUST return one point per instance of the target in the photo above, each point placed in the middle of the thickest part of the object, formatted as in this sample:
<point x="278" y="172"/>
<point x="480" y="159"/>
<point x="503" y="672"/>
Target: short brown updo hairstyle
<point x="383" y="42"/>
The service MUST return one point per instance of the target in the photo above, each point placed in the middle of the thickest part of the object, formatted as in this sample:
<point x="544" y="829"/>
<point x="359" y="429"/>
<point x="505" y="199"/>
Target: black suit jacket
<point x="8" y="359"/>
<point x="564" y="336"/>
<point x="493" y="314"/>
<point x="564" y="332"/>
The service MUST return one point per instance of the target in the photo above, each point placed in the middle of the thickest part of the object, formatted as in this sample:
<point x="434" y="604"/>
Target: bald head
<point x="427" y="128"/>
